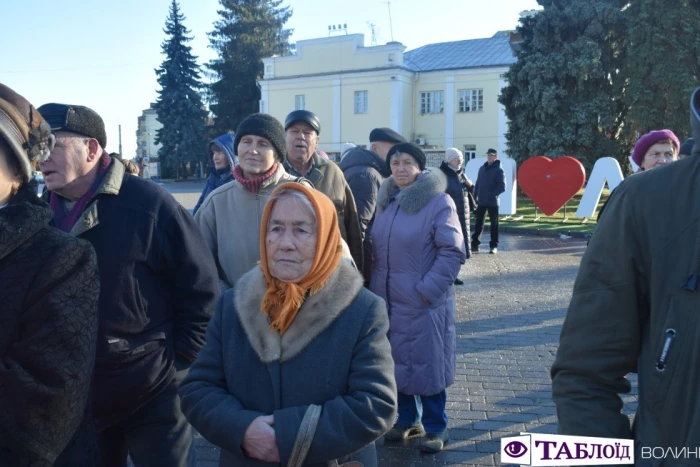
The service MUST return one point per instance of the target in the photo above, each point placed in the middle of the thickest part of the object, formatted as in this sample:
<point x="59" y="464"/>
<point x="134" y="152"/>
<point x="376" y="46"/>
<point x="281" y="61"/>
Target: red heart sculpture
<point x="550" y="184"/>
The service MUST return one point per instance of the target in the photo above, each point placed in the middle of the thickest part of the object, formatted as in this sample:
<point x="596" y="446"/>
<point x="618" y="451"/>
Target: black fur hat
<point x="408" y="148"/>
<point x="76" y="119"/>
<point x="266" y="126"/>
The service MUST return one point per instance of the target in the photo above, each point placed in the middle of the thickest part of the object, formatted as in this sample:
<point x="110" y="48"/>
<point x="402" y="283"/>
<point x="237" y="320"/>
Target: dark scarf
<point x="253" y="185"/>
<point x="65" y="222"/>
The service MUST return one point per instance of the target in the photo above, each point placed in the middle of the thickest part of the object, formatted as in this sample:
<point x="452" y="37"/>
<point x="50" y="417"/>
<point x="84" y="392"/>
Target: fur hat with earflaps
<point x="25" y="131"/>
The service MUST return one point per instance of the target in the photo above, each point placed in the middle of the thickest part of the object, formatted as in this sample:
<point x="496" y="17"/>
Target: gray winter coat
<point x="335" y="354"/>
<point x="490" y="183"/>
<point x="418" y="251"/>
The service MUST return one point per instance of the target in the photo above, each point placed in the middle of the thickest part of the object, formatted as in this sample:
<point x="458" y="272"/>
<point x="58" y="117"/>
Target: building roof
<point x="473" y="53"/>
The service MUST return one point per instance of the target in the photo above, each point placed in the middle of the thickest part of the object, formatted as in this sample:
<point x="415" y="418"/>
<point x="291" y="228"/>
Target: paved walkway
<point x="509" y="317"/>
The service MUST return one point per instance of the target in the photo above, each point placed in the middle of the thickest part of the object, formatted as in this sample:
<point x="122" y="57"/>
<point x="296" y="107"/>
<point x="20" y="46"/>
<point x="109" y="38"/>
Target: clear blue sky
<point x="103" y="53"/>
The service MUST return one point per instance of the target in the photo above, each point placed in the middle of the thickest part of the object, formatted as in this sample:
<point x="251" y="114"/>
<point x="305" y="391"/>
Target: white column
<point x="264" y="96"/>
<point x="337" y="114"/>
<point x="450" y="112"/>
<point x="502" y="121"/>
<point x="396" y="104"/>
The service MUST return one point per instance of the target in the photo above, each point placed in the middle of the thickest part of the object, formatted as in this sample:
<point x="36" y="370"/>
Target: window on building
<point x="432" y="102"/>
<point x="469" y="151"/>
<point x="360" y="102"/>
<point x="300" y="102"/>
<point x="471" y="100"/>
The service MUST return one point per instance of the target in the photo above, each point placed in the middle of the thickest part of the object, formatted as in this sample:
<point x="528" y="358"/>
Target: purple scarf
<point x="65" y="222"/>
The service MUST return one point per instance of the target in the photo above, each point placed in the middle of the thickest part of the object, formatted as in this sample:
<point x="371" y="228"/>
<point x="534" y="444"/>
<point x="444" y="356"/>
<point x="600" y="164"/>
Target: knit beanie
<point x="26" y="132"/>
<point x="452" y="154"/>
<point x="266" y="126"/>
<point x="282" y="300"/>
<point x="76" y="119"/>
<point x="650" y="139"/>
<point x="410" y="149"/>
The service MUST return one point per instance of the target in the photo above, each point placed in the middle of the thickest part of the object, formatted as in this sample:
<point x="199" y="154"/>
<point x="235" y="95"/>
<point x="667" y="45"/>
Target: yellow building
<point x="438" y="96"/>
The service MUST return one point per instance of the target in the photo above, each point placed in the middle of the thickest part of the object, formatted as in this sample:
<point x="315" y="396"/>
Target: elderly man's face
<point x="302" y="141"/>
<point x="291" y="240"/>
<point x="381" y="148"/>
<point x="68" y="161"/>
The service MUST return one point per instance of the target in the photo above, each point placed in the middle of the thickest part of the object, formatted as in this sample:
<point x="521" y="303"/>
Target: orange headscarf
<point x="282" y="300"/>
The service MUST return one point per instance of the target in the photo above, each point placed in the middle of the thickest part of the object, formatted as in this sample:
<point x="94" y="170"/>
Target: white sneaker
<point x="493" y="251"/>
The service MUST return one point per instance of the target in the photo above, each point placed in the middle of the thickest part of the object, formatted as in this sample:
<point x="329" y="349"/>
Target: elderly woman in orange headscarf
<point x="297" y="367"/>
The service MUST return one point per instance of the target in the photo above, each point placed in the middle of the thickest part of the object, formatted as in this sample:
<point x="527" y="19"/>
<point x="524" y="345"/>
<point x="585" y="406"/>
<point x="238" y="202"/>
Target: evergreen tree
<point x="564" y="94"/>
<point x="662" y="65"/>
<point x="179" y="105"/>
<point x="247" y="32"/>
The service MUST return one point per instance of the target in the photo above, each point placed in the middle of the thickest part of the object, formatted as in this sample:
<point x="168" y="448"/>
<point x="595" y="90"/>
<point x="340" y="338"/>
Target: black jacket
<point x="459" y="188"/>
<point x="364" y="171"/>
<point x="48" y="329"/>
<point x="490" y="183"/>
<point x="159" y="287"/>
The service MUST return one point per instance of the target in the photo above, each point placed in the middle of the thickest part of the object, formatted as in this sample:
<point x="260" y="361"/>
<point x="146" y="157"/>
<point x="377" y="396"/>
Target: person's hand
<point x="259" y="441"/>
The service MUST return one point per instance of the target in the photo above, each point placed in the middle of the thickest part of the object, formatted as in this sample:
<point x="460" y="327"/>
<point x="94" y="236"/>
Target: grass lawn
<point x="527" y="209"/>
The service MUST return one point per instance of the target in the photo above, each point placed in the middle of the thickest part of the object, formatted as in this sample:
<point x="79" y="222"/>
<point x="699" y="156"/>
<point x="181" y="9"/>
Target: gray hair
<point x="288" y="192"/>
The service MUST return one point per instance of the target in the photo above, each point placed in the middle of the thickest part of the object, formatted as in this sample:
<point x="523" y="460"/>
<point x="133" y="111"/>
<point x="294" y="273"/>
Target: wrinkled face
<point x="381" y="148"/>
<point x="219" y="158"/>
<point x="291" y="240"/>
<point x="9" y="176"/>
<point x="404" y="169"/>
<point x="301" y="140"/>
<point x="491" y="157"/>
<point x="256" y="155"/>
<point x="68" y="161"/>
<point x="658" y="155"/>
<point x="456" y="163"/>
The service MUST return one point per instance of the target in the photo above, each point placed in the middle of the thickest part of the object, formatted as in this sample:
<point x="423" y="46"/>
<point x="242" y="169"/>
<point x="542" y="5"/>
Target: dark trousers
<point x="429" y="410"/>
<point x="157" y="434"/>
<point x="479" y="227"/>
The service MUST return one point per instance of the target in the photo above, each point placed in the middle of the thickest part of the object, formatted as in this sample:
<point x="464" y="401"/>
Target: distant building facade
<point x="438" y="96"/>
<point x="146" y="149"/>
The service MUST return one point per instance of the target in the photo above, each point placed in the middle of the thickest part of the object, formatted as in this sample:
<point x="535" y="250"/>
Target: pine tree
<point x="663" y="64"/>
<point x="564" y="94"/>
<point x="247" y="32"/>
<point x="179" y="105"/>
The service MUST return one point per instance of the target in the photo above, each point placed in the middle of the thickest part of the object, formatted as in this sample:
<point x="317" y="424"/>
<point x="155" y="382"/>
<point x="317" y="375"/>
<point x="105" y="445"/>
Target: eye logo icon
<point x="515" y="449"/>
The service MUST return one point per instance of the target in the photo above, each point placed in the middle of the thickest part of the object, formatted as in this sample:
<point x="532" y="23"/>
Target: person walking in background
<point x="655" y="149"/>
<point x="460" y="188"/>
<point x="223" y="156"/>
<point x="48" y="320"/>
<point x="490" y="184"/>
<point x="297" y="336"/>
<point x="157" y="290"/>
<point x="418" y="251"/>
<point x="302" y="129"/>
<point x="230" y="217"/>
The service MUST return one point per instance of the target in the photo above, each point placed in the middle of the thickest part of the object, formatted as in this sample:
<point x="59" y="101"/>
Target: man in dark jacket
<point x="302" y="129"/>
<point x="158" y="287"/>
<point x="223" y="156"/>
<point x="634" y="309"/>
<point x="365" y="171"/>
<point x="490" y="183"/>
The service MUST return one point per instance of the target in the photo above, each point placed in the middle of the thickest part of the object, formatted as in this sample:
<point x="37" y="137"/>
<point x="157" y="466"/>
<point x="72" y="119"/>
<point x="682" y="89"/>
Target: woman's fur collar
<point x="315" y="315"/>
<point x="429" y="183"/>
